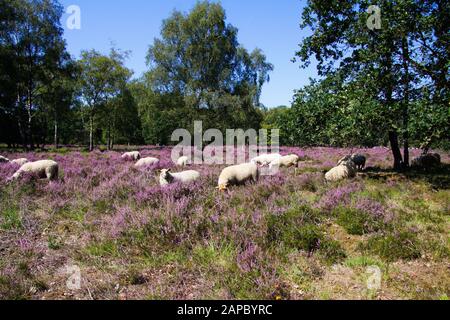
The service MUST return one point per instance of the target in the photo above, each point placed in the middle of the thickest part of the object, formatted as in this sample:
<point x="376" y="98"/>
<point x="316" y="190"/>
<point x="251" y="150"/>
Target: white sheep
<point x="286" y="161"/>
<point x="265" y="159"/>
<point x="345" y="170"/>
<point x="20" y="162"/>
<point x="43" y="169"/>
<point x="238" y="174"/>
<point x="183" y="161"/>
<point x="167" y="177"/>
<point x="358" y="159"/>
<point x="146" y="162"/>
<point x="3" y="159"/>
<point x="134" y="155"/>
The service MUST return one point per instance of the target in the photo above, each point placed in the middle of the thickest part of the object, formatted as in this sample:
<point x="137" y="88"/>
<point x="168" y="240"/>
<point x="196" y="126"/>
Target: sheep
<point x="144" y="162"/>
<point x="238" y="174"/>
<point x="265" y="159"/>
<point x="43" y="169"/>
<point x="358" y="159"/>
<point x="183" y="161"/>
<point x="345" y="170"/>
<point x="167" y="177"/>
<point x="426" y="161"/>
<point x="134" y="155"/>
<point x="3" y="159"/>
<point x="286" y="161"/>
<point x="20" y="162"/>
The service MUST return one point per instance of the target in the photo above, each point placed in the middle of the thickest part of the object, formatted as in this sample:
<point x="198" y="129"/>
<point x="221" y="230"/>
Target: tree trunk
<point x="393" y="134"/>
<point x="91" y="133"/>
<point x="405" y="49"/>
<point x="55" y="137"/>
<point x="108" y="142"/>
<point x="398" y="161"/>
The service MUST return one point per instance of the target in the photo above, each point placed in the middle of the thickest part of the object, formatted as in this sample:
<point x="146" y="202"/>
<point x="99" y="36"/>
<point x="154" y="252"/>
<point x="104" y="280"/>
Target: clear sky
<point x="273" y="26"/>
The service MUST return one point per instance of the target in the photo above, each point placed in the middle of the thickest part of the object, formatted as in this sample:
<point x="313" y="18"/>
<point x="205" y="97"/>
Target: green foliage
<point x="10" y="219"/>
<point x="402" y="245"/>
<point x="357" y="222"/>
<point x="386" y="73"/>
<point x="299" y="229"/>
<point x="199" y="60"/>
<point x="331" y="112"/>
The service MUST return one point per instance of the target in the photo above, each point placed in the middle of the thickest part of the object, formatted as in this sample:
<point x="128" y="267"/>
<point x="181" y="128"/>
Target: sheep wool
<point x="167" y="177"/>
<point x="238" y="174"/>
<point x="265" y="159"/>
<point x="43" y="169"/>
<point x="134" y="155"/>
<point x="146" y="162"/>
<point x="286" y="161"/>
<point x="3" y="159"/>
<point x="345" y="170"/>
<point x="358" y="159"/>
<point x="183" y="161"/>
<point x="20" y="162"/>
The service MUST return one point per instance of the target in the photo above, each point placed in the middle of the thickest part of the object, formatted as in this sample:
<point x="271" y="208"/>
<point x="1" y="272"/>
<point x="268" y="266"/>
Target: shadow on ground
<point x="438" y="178"/>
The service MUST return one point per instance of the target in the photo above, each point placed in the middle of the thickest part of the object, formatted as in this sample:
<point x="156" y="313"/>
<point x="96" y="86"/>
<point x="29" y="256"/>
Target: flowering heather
<point x="374" y="208"/>
<point x="118" y="224"/>
<point x="339" y="196"/>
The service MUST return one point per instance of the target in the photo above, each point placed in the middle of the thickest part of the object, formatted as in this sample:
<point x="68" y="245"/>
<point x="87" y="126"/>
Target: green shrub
<point x="394" y="246"/>
<point x="299" y="229"/>
<point x="357" y="222"/>
<point x="10" y="219"/>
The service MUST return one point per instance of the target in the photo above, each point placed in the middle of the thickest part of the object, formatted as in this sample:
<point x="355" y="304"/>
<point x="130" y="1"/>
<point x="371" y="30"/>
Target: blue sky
<point x="273" y="26"/>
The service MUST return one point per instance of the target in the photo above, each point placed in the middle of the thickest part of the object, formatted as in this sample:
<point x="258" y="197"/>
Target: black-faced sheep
<point x="345" y="170"/>
<point x="358" y="159"/>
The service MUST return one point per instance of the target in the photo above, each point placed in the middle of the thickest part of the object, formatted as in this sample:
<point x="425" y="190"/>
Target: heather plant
<point x="394" y="245"/>
<point x="192" y="241"/>
<point x="357" y="222"/>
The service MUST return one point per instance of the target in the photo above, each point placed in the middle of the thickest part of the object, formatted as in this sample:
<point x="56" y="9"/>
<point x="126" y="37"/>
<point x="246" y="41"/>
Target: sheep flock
<point x="346" y="168"/>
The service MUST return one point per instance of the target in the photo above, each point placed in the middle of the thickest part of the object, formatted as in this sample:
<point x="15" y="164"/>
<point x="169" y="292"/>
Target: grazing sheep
<point x="358" y="159"/>
<point x="167" y="177"/>
<point x="183" y="161"/>
<point x="145" y="162"/>
<point x="265" y="159"/>
<point x="238" y="174"/>
<point x="43" y="169"/>
<point x="426" y="161"/>
<point x="134" y="155"/>
<point x="20" y="162"/>
<point x="286" y="161"/>
<point x="3" y="159"/>
<point x="345" y="170"/>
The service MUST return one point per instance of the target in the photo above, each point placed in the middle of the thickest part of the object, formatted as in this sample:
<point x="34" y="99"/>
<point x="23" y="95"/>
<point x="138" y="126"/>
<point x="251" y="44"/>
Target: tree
<point x="392" y="61"/>
<point x="32" y="49"/>
<point x="199" y="58"/>
<point x="102" y="79"/>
